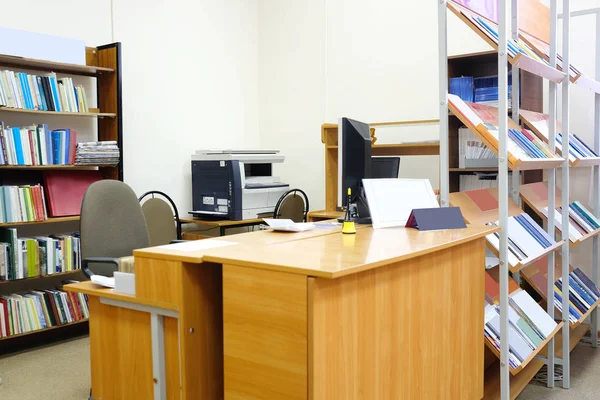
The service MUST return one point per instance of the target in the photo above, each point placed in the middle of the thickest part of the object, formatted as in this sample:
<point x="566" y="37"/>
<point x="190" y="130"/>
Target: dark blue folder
<point x="429" y="219"/>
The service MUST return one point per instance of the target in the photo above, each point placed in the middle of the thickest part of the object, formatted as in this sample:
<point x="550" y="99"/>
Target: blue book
<point x="573" y="299"/>
<point x="25" y="91"/>
<point x="533" y="231"/>
<point x="530" y="144"/>
<point x="575" y="313"/>
<point x="518" y="139"/>
<point x="589" y="291"/>
<point x="56" y="147"/>
<point x="40" y="85"/>
<point x="585" y="146"/>
<point x="587" y="281"/>
<point x="54" y="89"/>
<point x="18" y="145"/>
<point x="65" y="144"/>
<point x="577" y="211"/>
<point x="48" y="138"/>
<point x="584" y="214"/>
<point x="76" y="100"/>
<point x="4" y="213"/>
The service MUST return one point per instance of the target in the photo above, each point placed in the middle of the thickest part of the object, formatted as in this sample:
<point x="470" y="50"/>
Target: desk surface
<point x="323" y="252"/>
<point x="91" y="289"/>
<point x="324" y="214"/>
<point x="221" y="222"/>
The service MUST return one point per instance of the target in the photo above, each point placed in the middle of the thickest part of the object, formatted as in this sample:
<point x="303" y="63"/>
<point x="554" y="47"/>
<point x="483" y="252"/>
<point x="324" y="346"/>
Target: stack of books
<point x="577" y="148"/>
<point x="40" y="309"/>
<point x="97" y="153"/>
<point x="462" y="87"/>
<point x="522" y="144"/>
<point x="22" y="258"/>
<point x="527" y="241"/>
<point x="472" y="152"/>
<point x="481" y="180"/>
<point x="37" y="145"/>
<point x="583" y="294"/>
<point x="581" y="220"/>
<point x="486" y="90"/>
<point x="529" y="324"/>
<point x="41" y="92"/>
<point x="26" y="203"/>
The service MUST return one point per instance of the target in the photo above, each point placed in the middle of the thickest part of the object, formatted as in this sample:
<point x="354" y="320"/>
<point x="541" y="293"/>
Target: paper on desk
<point x="195" y="245"/>
<point x="287" y="225"/>
<point x="103" y="281"/>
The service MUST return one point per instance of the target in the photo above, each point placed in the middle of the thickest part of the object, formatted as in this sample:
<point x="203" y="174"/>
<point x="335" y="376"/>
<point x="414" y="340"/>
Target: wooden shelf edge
<point x="43" y="65"/>
<point x="61" y="113"/>
<point x="53" y="220"/>
<point x="587" y="314"/>
<point x="531" y="260"/>
<point x="44" y="330"/>
<point x="587" y="83"/>
<point x="8" y="282"/>
<point x="531" y="357"/>
<point x="585" y="237"/>
<point x="537" y="163"/>
<point x="585" y="162"/>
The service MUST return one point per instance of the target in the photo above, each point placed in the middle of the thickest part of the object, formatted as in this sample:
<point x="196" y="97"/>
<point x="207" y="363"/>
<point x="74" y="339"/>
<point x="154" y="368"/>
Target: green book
<point x="587" y="213"/>
<point x="31" y="258"/>
<point x="529" y="332"/>
<point x="29" y="204"/>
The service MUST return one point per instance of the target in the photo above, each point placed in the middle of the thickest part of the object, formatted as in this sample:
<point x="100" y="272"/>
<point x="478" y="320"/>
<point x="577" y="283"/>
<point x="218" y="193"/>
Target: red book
<point x="65" y="190"/>
<point x="36" y="192"/>
<point x="74" y="306"/>
<point x="72" y="146"/>
<point x="32" y="147"/>
<point x="6" y="320"/>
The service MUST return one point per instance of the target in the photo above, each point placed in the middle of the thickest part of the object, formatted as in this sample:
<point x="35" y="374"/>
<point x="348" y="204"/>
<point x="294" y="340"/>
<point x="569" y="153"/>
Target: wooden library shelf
<point x="575" y="336"/>
<point x="520" y="60"/>
<point x="73" y="167"/>
<point x="41" y="276"/>
<point x="517" y="382"/>
<point x="403" y="149"/>
<point x="44" y="330"/>
<point x="531" y="357"/>
<point x="535" y="195"/>
<point x="538" y="123"/>
<point x="50" y="66"/>
<point x="46" y="221"/>
<point x="61" y="113"/>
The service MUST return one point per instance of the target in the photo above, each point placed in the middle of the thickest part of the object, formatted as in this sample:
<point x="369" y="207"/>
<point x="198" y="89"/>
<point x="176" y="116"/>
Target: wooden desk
<point x="224" y="224"/>
<point x="314" y="216"/>
<point x="392" y="313"/>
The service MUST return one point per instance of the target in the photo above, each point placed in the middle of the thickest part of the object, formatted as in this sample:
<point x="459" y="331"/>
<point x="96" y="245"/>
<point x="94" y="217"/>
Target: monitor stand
<point x="359" y="209"/>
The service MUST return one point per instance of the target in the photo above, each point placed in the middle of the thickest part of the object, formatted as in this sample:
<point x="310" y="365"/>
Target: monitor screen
<point x="385" y="167"/>
<point x="354" y="157"/>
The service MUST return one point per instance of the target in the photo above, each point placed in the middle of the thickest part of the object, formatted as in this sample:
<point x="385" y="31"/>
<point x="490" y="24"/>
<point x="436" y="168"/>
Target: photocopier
<point x="235" y="184"/>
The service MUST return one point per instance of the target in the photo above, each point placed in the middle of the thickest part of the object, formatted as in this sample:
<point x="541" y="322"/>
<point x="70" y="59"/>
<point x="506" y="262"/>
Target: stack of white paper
<point x="287" y="225"/>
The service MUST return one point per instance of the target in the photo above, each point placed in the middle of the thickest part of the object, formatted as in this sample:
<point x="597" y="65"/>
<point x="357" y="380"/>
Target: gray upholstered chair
<point x="162" y="218"/>
<point x="293" y="205"/>
<point x="112" y="226"/>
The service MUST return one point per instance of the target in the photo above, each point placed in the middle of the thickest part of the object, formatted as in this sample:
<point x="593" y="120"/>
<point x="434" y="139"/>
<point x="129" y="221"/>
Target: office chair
<point x="293" y="205"/>
<point x="162" y="218"/>
<point x="112" y="226"/>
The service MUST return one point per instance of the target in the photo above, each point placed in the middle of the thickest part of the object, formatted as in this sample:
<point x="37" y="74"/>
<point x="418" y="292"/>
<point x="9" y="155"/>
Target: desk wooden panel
<point x="265" y="326"/>
<point x="221" y="222"/>
<point x="314" y="216"/>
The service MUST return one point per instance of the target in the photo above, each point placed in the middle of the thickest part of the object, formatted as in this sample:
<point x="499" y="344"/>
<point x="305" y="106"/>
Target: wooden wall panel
<point x="412" y="330"/>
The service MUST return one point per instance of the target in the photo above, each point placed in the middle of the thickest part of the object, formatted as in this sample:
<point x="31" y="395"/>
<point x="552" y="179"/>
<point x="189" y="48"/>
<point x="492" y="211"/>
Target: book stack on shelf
<point x="97" y="153"/>
<point x="22" y="258"/>
<point x="479" y="180"/>
<point x="472" y="152"/>
<point x="41" y="92"/>
<point x="483" y="89"/>
<point x="584" y="295"/>
<point x="463" y="87"/>
<point x="527" y="241"/>
<point x="40" y="309"/>
<point x="525" y="150"/>
<point x="25" y="203"/>
<point x="580" y="154"/>
<point x="529" y="325"/>
<point x="581" y="221"/>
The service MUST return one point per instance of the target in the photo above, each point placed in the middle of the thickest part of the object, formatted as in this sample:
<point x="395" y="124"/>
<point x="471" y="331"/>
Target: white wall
<point x="190" y="78"/>
<point x="372" y="61"/>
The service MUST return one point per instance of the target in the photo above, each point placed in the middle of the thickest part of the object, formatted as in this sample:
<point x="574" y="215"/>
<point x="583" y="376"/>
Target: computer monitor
<point x="385" y="167"/>
<point x="354" y="157"/>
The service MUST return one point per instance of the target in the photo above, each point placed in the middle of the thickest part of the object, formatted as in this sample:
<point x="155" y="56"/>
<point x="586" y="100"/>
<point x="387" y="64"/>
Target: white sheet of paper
<point x="105" y="281"/>
<point x="287" y="225"/>
<point x="392" y="200"/>
<point x="195" y="245"/>
<point x="458" y="103"/>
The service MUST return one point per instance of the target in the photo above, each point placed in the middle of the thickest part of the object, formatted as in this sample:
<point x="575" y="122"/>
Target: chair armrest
<point x="178" y="241"/>
<point x="97" y="260"/>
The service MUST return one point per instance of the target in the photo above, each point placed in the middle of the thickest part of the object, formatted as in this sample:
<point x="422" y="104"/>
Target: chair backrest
<point x="112" y="223"/>
<point x="292" y="205"/>
<point x="162" y="218"/>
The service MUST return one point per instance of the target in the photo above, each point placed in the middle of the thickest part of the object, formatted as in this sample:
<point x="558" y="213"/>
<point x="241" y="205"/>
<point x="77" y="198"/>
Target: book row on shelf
<point x="581" y="220"/>
<point x="526" y="239"/>
<point x="529" y="324"/>
<point x="472" y="152"/>
<point x="482" y="90"/>
<point x="38" y="145"/>
<point x="583" y="294"/>
<point x="41" y="92"/>
<point x="25" y="203"/>
<point x="40" y="309"/>
<point x="22" y="258"/>
<point x="480" y="180"/>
